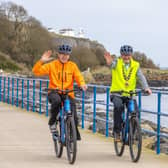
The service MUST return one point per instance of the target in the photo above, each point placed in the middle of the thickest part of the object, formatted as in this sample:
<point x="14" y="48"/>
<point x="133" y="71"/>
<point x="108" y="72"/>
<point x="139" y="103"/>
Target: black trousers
<point x="55" y="100"/>
<point x="119" y="103"/>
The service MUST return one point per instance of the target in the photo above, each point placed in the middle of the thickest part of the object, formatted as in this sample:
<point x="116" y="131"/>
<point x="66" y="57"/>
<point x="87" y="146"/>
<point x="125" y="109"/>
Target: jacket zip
<point x="65" y="77"/>
<point x="58" y="75"/>
<point x="62" y="74"/>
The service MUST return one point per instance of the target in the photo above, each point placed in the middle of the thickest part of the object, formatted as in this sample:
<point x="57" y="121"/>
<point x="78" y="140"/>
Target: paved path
<point x="25" y="142"/>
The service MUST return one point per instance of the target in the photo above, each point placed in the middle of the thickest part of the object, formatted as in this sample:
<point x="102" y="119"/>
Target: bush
<point x="7" y="64"/>
<point x="84" y="57"/>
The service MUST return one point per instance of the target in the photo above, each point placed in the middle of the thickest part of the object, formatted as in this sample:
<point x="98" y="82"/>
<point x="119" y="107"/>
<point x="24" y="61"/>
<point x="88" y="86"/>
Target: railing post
<point x="83" y="109"/>
<point x="94" y="109"/>
<point x="17" y="93"/>
<point x="0" y="88"/>
<point x="40" y="97"/>
<point x="4" y="94"/>
<point x="13" y="85"/>
<point x="107" y="112"/>
<point x="8" y="89"/>
<point x="34" y="93"/>
<point x="22" y="93"/>
<point x="47" y="100"/>
<point x="139" y="105"/>
<point x="158" y="123"/>
<point x="27" y="94"/>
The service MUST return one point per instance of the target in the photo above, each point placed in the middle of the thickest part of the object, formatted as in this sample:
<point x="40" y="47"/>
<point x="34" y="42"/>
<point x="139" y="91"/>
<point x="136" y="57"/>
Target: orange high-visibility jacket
<point x="61" y="75"/>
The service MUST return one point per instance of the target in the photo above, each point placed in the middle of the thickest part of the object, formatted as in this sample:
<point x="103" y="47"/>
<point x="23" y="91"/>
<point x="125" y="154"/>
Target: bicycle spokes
<point x="119" y="144"/>
<point x="57" y="142"/>
<point x="71" y="140"/>
<point x="135" y="139"/>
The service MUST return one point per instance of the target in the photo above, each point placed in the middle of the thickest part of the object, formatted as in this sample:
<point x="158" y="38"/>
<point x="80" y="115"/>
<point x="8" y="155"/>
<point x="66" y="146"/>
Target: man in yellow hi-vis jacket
<point x="125" y="72"/>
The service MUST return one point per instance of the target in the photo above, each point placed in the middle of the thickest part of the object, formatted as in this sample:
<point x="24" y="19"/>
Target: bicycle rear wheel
<point x="71" y="141"/>
<point x="119" y="145"/>
<point x="135" y="139"/>
<point x="57" y="143"/>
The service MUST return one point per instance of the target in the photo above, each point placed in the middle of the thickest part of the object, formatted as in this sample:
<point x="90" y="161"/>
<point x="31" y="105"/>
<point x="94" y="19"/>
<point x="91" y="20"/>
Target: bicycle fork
<point x="65" y="109"/>
<point x="62" y="125"/>
<point x="126" y="130"/>
<point x="131" y="109"/>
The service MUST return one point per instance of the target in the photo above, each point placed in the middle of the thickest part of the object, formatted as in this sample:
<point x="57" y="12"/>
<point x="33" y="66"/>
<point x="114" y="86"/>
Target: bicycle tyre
<point x="119" y="146"/>
<point x="71" y="140"/>
<point x="57" y="143"/>
<point x="135" y="139"/>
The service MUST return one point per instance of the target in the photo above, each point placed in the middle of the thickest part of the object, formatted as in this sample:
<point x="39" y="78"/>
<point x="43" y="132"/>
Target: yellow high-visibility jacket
<point x="119" y="82"/>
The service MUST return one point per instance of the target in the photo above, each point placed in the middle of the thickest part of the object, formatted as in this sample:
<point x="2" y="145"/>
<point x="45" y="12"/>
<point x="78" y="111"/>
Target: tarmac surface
<point x="25" y="142"/>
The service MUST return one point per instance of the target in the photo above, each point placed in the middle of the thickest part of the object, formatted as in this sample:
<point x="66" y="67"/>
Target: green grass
<point x="7" y="64"/>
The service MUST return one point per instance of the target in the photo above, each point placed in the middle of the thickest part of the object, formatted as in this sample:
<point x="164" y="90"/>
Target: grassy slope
<point x="7" y="64"/>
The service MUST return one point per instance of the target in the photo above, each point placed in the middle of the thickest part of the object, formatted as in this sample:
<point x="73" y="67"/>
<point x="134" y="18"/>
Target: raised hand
<point x="46" y="56"/>
<point x="108" y="58"/>
<point x="84" y="87"/>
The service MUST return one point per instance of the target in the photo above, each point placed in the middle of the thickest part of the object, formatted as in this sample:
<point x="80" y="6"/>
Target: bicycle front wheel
<point x="57" y="143"/>
<point x="71" y="141"/>
<point x="135" y="139"/>
<point x="119" y="146"/>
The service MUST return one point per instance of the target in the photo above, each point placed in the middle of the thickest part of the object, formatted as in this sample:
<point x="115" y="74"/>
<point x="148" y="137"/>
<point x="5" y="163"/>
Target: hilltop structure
<point x="69" y="32"/>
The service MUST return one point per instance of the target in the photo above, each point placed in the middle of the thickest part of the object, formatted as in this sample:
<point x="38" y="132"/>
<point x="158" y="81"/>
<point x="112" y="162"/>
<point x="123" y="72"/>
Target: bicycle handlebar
<point x="131" y="93"/>
<point x="66" y="91"/>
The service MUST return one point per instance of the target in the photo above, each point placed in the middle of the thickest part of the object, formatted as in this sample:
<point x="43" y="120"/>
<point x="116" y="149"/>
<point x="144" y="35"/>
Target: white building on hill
<point x="69" y="32"/>
<point x="81" y="33"/>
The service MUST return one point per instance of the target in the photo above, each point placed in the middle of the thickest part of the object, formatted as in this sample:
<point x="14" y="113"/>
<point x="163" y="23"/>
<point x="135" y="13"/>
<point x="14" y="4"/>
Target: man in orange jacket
<point x="62" y="74"/>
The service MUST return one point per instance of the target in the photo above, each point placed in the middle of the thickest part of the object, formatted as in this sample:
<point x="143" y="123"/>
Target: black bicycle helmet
<point x="65" y="49"/>
<point x="126" y="50"/>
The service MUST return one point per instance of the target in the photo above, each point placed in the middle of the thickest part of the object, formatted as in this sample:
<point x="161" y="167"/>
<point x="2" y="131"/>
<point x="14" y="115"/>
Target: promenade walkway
<point x="25" y="142"/>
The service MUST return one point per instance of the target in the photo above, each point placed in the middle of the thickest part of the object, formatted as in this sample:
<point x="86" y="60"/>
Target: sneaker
<point x="52" y="128"/>
<point x="117" y="137"/>
<point x="55" y="135"/>
<point x="54" y="131"/>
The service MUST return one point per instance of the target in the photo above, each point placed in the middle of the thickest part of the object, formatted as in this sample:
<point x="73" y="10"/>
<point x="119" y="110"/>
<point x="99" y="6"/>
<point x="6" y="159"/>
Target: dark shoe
<point x="78" y="137"/>
<point x="117" y="137"/>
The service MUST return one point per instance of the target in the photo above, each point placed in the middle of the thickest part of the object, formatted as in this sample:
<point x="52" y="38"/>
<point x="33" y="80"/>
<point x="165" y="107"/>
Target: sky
<point x="142" y="24"/>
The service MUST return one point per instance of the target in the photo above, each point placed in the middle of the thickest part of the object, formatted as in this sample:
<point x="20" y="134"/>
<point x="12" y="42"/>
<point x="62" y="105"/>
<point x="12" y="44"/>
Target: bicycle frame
<point x="130" y="110"/>
<point x="67" y="131"/>
<point x="131" y="130"/>
<point x="64" y="111"/>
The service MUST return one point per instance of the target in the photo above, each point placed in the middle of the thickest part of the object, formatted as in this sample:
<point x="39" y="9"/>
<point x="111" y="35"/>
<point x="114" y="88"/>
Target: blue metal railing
<point x="29" y="93"/>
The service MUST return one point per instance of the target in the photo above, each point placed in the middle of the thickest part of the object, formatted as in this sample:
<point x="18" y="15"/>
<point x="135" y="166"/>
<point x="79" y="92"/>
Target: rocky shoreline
<point x="145" y="125"/>
<point x="106" y="80"/>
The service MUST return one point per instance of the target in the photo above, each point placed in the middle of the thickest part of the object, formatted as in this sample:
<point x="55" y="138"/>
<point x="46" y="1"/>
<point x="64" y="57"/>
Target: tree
<point x="17" y="16"/>
<point x="84" y="57"/>
<point x="144" y="61"/>
<point x="38" y="40"/>
<point x="100" y="55"/>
